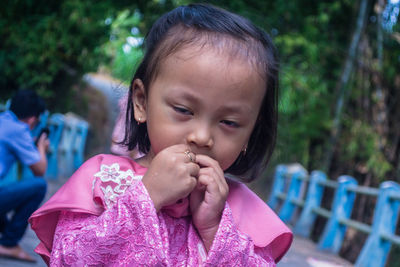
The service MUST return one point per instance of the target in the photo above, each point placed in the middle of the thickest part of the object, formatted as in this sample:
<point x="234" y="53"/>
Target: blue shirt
<point x="16" y="143"/>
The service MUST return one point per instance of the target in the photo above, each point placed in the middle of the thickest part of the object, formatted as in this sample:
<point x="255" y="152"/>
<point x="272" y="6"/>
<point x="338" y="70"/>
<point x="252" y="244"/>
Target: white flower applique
<point x="114" y="181"/>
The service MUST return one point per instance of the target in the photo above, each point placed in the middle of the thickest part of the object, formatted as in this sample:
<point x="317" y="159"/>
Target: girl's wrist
<point x="207" y="236"/>
<point x="157" y="204"/>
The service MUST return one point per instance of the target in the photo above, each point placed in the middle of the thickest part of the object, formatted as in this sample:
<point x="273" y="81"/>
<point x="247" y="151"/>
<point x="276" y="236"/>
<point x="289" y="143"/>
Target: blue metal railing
<point x="293" y="189"/>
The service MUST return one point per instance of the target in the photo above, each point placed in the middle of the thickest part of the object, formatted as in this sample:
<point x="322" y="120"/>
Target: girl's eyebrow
<point x="235" y="109"/>
<point x="187" y="96"/>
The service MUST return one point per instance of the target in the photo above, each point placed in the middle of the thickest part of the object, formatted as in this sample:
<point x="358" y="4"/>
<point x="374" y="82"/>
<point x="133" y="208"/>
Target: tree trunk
<point x="342" y="84"/>
<point x="381" y="112"/>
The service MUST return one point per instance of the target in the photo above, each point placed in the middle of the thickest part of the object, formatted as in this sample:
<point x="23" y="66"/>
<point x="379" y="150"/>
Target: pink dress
<point x="103" y="215"/>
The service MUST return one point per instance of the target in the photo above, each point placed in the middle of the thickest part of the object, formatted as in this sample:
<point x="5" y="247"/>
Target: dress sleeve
<point x="234" y="248"/>
<point x="128" y="233"/>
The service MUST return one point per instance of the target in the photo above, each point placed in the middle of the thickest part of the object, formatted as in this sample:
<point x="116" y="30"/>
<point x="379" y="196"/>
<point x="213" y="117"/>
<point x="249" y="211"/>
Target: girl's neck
<point x="146" y="159"/>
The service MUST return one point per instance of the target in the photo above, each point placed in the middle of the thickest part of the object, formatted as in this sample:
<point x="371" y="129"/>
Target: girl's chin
<point x="143" y="161"/>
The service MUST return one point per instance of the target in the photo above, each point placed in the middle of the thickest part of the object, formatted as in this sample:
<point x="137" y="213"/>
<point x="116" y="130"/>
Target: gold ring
<point x="187" y="152"/>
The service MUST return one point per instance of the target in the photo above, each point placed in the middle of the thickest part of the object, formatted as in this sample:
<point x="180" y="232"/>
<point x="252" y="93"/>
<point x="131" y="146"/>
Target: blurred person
<point x="23" y="197"/>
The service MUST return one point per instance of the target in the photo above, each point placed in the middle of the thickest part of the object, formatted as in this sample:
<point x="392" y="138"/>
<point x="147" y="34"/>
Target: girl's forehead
<point x="209" y="75"/>
<point x="226" y="53"/>
<point x="190" y="42"/>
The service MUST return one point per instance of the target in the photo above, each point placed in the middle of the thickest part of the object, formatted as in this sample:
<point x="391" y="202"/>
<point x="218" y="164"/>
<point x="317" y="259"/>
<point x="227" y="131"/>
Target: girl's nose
<point x="201" y="136"/>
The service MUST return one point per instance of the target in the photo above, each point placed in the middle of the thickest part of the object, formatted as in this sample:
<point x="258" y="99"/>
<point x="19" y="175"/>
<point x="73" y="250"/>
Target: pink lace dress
<point x="113" y="223"/>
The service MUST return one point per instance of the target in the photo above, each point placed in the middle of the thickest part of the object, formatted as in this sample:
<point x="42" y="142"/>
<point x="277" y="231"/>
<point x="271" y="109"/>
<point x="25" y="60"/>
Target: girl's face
<point x="209" y="101"/>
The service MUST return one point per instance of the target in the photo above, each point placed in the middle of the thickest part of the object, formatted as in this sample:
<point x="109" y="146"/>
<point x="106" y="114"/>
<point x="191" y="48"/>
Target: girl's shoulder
<point x="98" y="180"/>
<point x="100" y="172"/>
<point x="90" y="190"/>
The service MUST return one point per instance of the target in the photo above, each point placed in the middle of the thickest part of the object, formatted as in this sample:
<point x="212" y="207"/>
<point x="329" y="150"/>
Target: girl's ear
<point x="139" y="100"/>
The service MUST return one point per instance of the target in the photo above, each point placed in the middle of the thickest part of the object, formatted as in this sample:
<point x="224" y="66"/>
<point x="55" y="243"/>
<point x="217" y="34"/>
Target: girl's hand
<point x="171" y="176"/>
<point x="207" y="201"/>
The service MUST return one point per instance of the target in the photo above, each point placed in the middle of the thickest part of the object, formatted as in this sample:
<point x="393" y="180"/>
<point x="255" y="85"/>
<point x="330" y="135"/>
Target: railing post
<point x="56" y="126"/>
<point x="79" y="143"/>
<point x="65" y="160"/>
<point x="42" y="124"/>
<point x="278" y="185"/>
<point x="334" y="231"/>
<point x="297" y="173"/>
<point x="313" y="200"/>
<point x="375" y="250"/>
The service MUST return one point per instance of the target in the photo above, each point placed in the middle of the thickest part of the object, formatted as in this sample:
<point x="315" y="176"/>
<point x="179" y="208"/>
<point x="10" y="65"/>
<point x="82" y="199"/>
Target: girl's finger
<point x="194" y="169"/>
<point x="206" y="161"/>
<point x="179" y="148"/>
<point x="183" y="151"/>
<point x="208" y="183"/>
<point x="192" y="186"/>
<point x="209" y="179"/>
<point x="222" y="184"/>
<point x="214" y="170"/>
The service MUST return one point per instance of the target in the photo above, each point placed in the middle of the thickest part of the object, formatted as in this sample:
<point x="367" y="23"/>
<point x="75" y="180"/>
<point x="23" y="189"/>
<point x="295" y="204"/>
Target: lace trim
<point x="114" y="182"/>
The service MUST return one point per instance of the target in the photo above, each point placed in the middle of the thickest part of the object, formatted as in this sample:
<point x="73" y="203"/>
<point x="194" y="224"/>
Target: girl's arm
<point x="128" y="232"/>
<point x="234" y="248"/>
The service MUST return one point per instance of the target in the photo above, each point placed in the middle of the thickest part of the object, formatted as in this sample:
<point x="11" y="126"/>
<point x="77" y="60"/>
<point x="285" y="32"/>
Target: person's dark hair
<point x="26" y="103"/>
<point x="201" y="25"/>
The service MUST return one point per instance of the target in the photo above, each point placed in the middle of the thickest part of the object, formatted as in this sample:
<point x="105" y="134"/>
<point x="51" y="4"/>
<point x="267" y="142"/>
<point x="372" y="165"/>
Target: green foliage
<point x="309" y="70"/>
<point x="47" y="45"/>
<point x="124" y="45"/>
<point x="361" y="145"/>
<point x="303" y="116"/>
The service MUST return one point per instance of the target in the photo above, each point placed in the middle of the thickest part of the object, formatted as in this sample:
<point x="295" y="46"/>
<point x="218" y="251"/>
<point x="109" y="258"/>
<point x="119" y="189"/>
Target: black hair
<point x="26" y="103"/>
<point x="200" y="25"/>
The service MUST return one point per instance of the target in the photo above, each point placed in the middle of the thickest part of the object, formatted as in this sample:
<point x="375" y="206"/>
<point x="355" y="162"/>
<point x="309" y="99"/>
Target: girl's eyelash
<point x="182" y="110"/>
<point x="185" y="111"/>
<point x="230" y="123"/>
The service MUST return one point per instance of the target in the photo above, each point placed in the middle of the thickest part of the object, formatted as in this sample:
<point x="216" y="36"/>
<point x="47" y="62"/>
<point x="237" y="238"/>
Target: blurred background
<point x="339" y="103"/>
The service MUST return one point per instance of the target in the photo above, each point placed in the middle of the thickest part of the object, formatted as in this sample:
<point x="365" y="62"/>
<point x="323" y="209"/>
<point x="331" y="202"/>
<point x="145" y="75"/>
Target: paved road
<point x="113" y="91"/>
<point x="303" y="253"/>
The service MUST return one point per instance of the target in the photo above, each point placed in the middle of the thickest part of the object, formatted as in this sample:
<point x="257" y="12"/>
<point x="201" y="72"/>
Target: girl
<point x="202" y="104"/>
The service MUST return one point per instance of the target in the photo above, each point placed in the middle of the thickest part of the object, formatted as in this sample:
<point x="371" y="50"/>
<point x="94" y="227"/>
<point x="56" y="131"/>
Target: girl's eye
<point x="230" y="123"/>
<point x="183" y="111"/>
